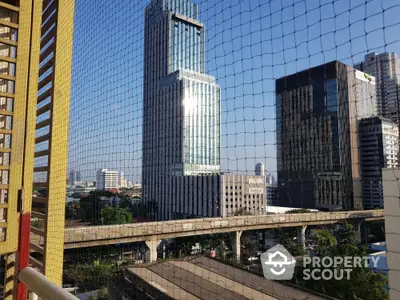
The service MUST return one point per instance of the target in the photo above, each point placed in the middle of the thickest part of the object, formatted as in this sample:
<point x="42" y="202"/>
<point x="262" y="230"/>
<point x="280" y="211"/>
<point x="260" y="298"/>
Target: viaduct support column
<point x="152" y="245"/>
<point x="236" y="244"/>
<point x="358" y="229"/>
<point x="301" y="234"/>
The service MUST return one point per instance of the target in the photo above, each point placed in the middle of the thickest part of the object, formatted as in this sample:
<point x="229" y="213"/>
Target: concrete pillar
<point x="357" y="228"/>
<point x="152" y="245"/>
<point x="301" y="233"/>
<point x="236" y="244"/>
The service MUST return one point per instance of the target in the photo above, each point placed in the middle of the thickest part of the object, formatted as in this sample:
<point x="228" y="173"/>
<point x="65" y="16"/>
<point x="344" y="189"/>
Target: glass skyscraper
<point x="317" y="111"/>
<point x="181" y="125"/>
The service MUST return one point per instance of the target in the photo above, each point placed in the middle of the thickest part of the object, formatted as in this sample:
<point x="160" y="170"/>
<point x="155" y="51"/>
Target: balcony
<point x="42" y="288"/>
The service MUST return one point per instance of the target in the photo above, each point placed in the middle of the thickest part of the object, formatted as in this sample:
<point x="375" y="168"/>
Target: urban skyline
<point x="194" y="96"/>
<point x="247" y="103"/>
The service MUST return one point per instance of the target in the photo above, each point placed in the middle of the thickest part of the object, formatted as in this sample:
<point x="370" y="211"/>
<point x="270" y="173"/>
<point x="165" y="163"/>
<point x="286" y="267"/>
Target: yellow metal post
<point x="52" y="128"/>
<point x="19" y="58"/>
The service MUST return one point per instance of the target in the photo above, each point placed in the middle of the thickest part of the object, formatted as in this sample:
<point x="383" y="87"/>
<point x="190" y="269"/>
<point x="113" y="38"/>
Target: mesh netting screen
<point x="186" y="109"/>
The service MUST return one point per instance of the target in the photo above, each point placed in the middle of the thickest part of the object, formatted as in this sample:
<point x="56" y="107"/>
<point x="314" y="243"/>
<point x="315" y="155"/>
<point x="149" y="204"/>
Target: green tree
<point x="249" y="245"/>
<point x="126" y="203"/>
<point x="92" y="296"/>
<point x="90" y="276"/>
<point x="325" y="240"/>
<point x="102" y="294"/>
<point x="115" y="215"/>
<point x="363" y="284"/>
<point x="288" y="238"/>
<point x="347" y="235"/>
<point x="144" y="209"/>
<point x="90" y="207"/>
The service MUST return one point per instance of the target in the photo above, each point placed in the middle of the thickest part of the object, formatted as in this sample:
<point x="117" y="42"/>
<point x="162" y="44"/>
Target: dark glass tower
<point x="317" y="135"/>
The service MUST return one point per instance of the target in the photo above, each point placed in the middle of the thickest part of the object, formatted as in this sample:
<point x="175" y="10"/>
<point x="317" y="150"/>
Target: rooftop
<point x="206" y="278"/>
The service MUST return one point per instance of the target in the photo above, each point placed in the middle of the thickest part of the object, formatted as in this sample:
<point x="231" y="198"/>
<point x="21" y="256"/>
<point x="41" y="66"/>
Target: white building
<point x="378" y="143"/>
<point x="241" y="192"/>
<point x="106" y="179"/>
<point x="385" y="67"/>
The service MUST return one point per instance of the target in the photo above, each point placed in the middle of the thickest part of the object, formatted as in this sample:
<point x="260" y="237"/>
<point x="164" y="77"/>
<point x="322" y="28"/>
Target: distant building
<point x="385" y="67"/>
<point x="83" y="189"/>
<point x="216" y="195"/>
<point x="71" y="177"/>
<point x="106" y="179"/>
<point x="378" y="149"/>
<point x="272" y="195"/>
<point x="122" y="182"/>
<point x="271" y="179"/>
<point x="242" y="192"/>
<point x="260" y="169"/>
<point x="84" y="183"/>
<point x="317" y="143"/>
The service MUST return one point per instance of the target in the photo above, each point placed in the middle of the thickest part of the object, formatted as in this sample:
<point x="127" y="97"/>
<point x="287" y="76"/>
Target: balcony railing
<point x="43" y="288"/>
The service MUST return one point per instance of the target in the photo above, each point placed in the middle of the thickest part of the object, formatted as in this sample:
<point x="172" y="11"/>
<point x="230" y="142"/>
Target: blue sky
<point x="249" y="44"/>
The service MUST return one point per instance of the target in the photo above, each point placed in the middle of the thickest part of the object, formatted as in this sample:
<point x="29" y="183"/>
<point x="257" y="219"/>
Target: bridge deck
<point x="137" y="232"/>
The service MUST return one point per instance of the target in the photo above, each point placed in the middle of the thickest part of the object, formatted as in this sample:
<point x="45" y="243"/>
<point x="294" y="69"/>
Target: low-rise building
<point x="272" y="195"/>
<point x="242" y="193"/>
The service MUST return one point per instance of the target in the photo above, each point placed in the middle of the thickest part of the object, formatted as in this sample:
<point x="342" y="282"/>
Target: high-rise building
<point x="317" y="142"/>
<point x="181" y="121"/>
<point x="74" y="176"/>
<point x="378" y="141"/>
<point x="78" y="176"/>
<point x="260" y="169"/>
<point x="122" y="182"/>
<point x="106" y="179"/>
<point x="71" y="177"/>
<point x="385" y="67"/>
